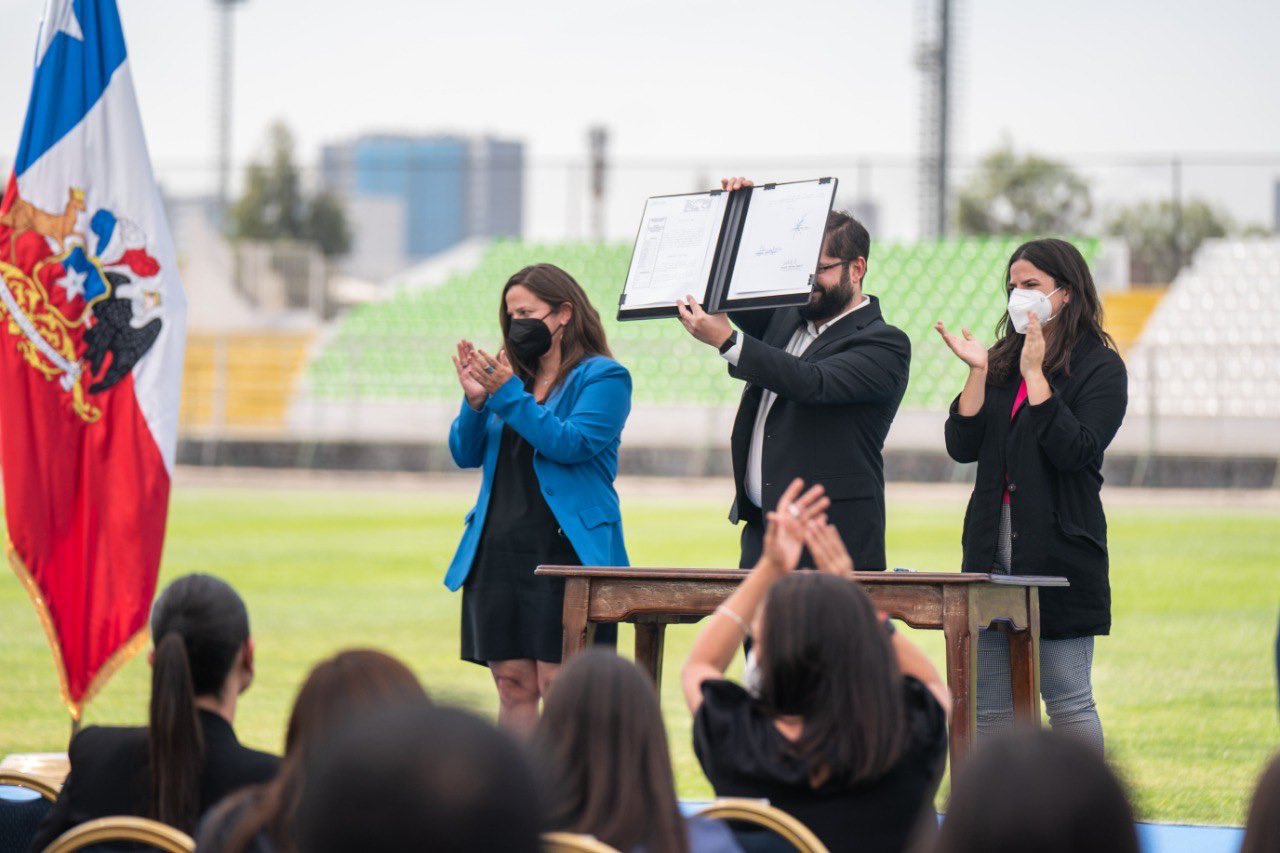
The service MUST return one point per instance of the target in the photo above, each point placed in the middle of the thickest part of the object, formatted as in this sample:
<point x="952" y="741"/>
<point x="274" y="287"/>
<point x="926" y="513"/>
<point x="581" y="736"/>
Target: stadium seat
<point x="398" y="349"/>
<point x="241" y="379"/>
<point x="1126" y="314"/>
<point x="1211" y="347"/>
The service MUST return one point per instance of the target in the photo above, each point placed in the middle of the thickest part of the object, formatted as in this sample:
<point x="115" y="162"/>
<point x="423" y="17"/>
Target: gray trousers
<point x="1066" y="667"/>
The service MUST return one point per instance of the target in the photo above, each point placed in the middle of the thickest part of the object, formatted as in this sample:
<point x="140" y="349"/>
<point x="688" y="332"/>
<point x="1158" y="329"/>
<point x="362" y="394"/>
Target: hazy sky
<point x="715" y="85"/>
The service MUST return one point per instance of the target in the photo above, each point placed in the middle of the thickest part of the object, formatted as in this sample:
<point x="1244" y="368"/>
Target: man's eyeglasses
<point x="825" y="267"/>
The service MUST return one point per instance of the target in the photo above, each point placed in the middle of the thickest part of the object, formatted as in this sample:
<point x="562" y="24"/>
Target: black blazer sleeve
<point x="1074" y="437"/>
<point x="963" y="433"/>
<point x="870" y="373"/>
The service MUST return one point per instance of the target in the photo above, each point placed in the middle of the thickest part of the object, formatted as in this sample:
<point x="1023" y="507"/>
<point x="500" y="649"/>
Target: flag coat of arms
<point x="92" y="336"/>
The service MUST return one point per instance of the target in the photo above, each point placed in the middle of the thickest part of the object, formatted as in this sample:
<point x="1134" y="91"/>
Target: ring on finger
<point x="488" y="368"/>
<point x="793" y="510"/>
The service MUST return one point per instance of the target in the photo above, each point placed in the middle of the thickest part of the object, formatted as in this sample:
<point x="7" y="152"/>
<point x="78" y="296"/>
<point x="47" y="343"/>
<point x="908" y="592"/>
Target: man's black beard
<point x="831" y="302"/>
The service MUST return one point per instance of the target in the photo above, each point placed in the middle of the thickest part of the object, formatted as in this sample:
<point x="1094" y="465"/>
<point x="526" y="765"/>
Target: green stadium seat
<point x="387" y="351"/>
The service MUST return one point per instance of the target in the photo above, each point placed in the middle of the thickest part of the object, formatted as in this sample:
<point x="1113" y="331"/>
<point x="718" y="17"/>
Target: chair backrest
<point x="32" y="783"/>
<point x="572" y="842"/>
<point x="25" y="800"/>
<point x="760" y="813"/>
<point x="136" y="829"/>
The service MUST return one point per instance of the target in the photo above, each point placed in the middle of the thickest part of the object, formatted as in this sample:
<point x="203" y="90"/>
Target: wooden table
<point x="955" y="603"/>
<point x="51" y="767"/>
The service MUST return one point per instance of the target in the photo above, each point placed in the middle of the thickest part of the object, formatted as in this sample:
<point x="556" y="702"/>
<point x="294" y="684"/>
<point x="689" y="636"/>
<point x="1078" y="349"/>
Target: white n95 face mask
<point x="1023" y="302"/>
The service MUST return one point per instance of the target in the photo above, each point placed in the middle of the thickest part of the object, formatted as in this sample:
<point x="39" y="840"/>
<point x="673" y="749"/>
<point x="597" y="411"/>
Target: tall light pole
<point x="224" y="33"/>
<point x="597" y="142"/>
<point x="935" y="60"/>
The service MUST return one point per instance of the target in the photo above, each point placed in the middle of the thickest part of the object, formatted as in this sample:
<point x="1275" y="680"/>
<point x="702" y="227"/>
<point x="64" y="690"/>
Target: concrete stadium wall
<point x="1121" y="468"/>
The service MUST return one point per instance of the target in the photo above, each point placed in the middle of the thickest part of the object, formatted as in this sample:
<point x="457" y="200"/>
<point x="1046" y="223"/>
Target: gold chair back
<point x="136" y="829"/>
<point x="762" y="814"/>
<point x="26" y="780"/>
<point x="572" y="842"/>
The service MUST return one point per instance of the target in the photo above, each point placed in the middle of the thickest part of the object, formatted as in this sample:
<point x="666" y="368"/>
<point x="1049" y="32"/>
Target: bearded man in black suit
<point x="823" y="384"/>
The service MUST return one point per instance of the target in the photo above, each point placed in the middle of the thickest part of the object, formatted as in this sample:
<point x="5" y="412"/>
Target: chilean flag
<point x="92" y="335"/>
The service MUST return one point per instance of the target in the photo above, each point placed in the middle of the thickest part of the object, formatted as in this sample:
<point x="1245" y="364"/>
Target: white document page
<point x="781" y="240"/>
<point x="675" y="249"/>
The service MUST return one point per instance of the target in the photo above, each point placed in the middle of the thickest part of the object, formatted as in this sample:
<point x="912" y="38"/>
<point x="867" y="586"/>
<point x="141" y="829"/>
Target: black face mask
<point x="528" y="339"/>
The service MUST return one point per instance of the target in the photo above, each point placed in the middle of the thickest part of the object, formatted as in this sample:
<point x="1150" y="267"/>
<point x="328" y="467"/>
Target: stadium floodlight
<point x="935" y="59"/>
<point x="223" y="80"/>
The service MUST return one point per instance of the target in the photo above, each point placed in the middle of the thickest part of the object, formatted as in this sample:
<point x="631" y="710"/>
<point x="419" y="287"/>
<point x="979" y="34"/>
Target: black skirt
<point x="508" y="612"/>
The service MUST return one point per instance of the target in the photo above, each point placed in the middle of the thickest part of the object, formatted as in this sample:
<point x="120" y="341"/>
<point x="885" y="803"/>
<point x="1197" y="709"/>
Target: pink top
<point x="1018" y="400"/>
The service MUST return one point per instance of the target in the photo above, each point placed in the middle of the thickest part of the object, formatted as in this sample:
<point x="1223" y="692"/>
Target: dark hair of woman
<point x="1080" y="317"/>
<point x="601" y="741"/>
<point x="199" y="625"/>
<point x="583" y="336"/>
<point x="415" y="778"/>
<point x="1036" y="790"/>
<point x="824" y="656"/>
<point x="350" y="683"/>
<point x="1262" y="829"/>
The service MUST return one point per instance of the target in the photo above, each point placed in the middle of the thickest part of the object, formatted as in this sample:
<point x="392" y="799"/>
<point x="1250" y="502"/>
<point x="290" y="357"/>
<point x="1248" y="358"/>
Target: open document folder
<point x="752" y="248"/>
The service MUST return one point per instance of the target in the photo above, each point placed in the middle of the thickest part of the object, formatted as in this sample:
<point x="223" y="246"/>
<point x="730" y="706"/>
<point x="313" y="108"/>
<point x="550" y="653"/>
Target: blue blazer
<point x="575" y="436"/>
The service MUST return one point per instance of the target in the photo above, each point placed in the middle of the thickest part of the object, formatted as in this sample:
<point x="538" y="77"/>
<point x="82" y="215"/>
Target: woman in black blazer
<point x="1036" y="414"/>
<point x="187" y="758"/>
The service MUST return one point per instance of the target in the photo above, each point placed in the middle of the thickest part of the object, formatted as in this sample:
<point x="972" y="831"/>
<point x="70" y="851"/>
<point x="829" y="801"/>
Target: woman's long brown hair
<point x="824" y="656"/>
<point x="583" y="336"/>
<point x="1079" y="318"/>
<point x="350" y="683"/>
<point x="603" y="745"/>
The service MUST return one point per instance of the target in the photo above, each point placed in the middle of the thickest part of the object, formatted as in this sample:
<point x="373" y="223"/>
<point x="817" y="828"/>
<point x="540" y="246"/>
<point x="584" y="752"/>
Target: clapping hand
<point x="489" y="372"/>
<point x="473" y="390"/>
<point x="1032" y="363"/>
<point x="784" y="535"/>
<point x="967" y="348"/>
<point x="829" y="552"/>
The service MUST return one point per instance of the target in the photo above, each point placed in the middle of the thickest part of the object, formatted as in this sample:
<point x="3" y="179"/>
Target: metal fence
<point x="559" y="202"/>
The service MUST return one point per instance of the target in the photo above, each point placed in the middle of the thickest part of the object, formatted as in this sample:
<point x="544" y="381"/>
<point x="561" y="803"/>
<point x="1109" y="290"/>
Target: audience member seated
<point x="187" y="758"/>
<point x="259" y="819"/>
<point x="1262" y="831"/>
<point x="841" y="721"/>
<point x="603" y="749"/>
<point x="417" y="778"/>
<point x="1036" y="790"/>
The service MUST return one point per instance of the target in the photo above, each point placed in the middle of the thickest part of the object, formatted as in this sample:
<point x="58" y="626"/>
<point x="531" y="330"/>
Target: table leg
<point x="649" y="643"/>
<point x="577" y="630"/>
<point x="1024" y="665"/>
<point x="961" y="639"/>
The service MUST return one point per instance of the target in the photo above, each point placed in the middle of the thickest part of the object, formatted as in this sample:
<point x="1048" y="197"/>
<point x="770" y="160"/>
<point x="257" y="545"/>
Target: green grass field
<point x="1185" y="683"/>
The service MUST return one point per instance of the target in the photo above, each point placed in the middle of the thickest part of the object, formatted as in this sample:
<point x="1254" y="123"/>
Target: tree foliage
<point x="1162" y="237"/>
<point x="273" y="207"/>
<point x="1014" y="194"/>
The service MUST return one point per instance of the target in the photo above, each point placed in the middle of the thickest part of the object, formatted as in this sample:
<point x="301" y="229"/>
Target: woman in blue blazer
<point x="543" y="418"/>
